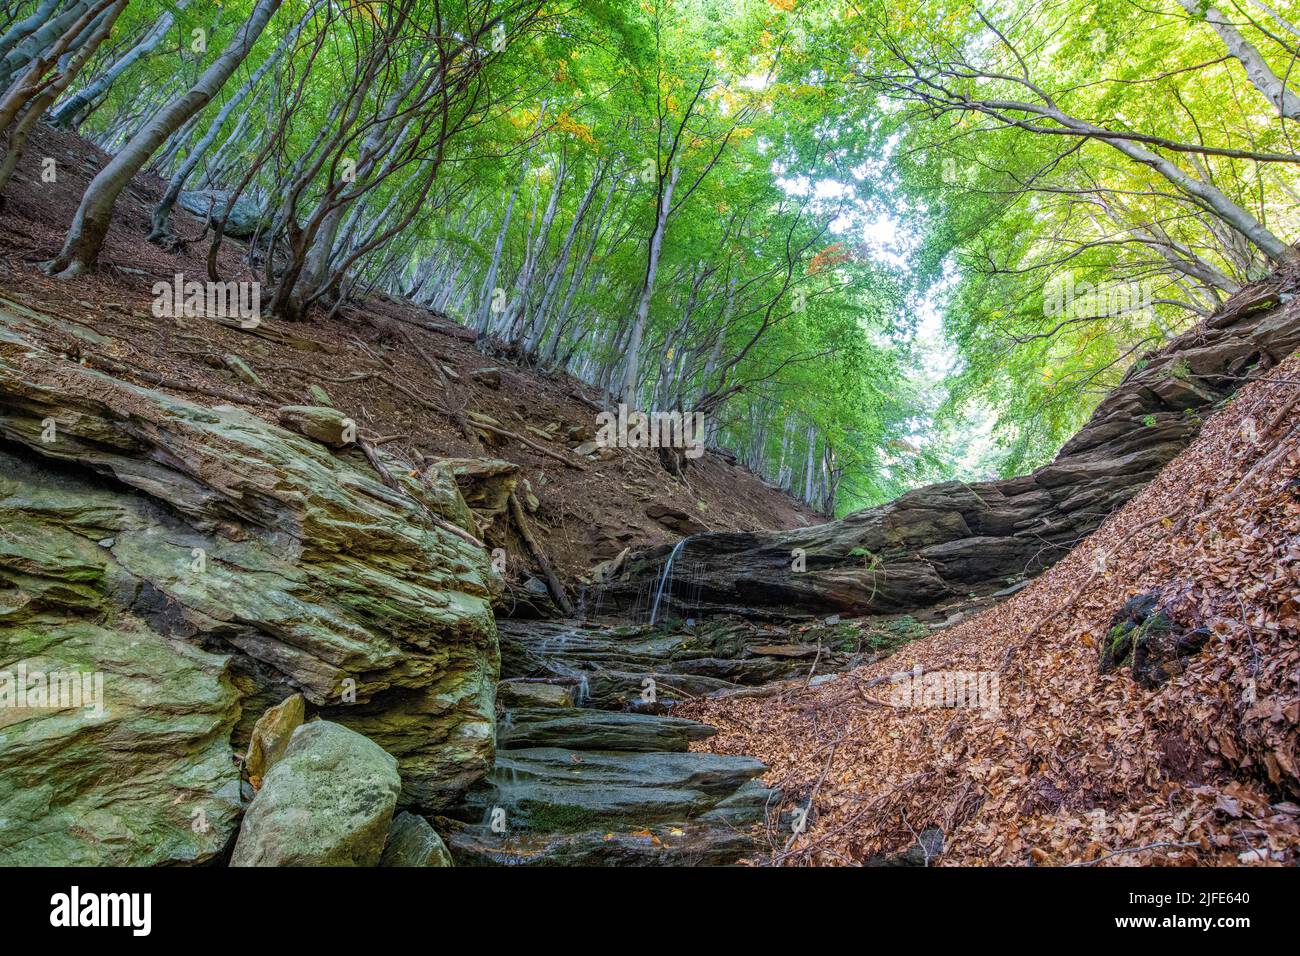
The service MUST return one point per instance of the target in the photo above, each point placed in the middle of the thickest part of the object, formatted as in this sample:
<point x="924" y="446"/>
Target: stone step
<point x="667" y="844"/>
<point x="551" y="789"/>
<point x="584" y="729"/>
<point x="716" y="656"/>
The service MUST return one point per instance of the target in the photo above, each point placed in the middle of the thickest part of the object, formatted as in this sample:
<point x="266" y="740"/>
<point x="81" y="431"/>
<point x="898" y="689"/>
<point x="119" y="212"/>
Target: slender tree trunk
<point x="40" y="39"/>
<point x="74" y="109"/>
<point x="36" y="108"/>
<point x="515" y="323"/>
<point x="163" y="211"/>
<point x="89" y="228"/>
<point x="23" y="28"/>
<point x="535" y="333"/>
<point x="631" y="370"/>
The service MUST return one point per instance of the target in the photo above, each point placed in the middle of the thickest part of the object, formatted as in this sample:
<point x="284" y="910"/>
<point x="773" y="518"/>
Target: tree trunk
<point x="89" y="228"/>
<point x="73" y="110"/>
<point x="40" y="39"/>
<point x="631" y="371"/>
<point x="36" y="108"/>
<point x="23" y="28"/>
<point x="163" y="211"/>
<point x="1257" y="69"/>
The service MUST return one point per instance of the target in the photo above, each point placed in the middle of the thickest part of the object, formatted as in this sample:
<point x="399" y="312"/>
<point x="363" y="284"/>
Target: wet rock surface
<point x="613" y="782"/>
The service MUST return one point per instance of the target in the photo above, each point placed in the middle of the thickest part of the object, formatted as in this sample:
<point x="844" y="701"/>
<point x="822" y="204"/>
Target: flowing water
<point x="665" y="579"/>
<point x="593" y="769"/>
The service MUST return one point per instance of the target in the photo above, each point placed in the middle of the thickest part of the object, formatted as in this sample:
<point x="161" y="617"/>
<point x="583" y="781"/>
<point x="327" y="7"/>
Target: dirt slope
<point x="364" y="361"/>
<point x="1075" y="765"/>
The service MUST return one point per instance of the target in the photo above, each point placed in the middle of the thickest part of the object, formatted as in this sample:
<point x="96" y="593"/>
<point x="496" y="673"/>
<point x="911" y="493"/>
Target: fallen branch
<point x="389" y="479"/>
<point x="557" y="589"/>
<point x="434" y="366"/>
<point x="579" y="397"/>
<point x="540" y="449"/>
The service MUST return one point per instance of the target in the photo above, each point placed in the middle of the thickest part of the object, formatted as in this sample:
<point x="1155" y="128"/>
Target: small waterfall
<point x="664" y="579"/>
<point x="583" y="694"/>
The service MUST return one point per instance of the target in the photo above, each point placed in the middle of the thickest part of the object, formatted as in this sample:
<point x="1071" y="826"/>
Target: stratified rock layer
<point x="209" y="565"/>
<point x="950" y="540"/>
<point x="614" y="783"/>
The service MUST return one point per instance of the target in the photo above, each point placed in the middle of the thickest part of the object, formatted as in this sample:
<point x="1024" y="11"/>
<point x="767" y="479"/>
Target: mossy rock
<point x="1148" y="641"/>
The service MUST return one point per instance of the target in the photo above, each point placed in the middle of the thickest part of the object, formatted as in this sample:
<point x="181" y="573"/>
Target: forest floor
<point x="588" y="510"/>
<point x="1066" y="764"/>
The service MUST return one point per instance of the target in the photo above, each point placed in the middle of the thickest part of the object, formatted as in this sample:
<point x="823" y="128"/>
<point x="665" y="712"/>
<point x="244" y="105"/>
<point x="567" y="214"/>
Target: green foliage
<point x="1056" y="260"/>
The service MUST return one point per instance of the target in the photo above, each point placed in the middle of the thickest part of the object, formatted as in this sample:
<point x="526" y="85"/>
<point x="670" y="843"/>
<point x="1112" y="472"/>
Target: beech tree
<point x="85" y="237"/>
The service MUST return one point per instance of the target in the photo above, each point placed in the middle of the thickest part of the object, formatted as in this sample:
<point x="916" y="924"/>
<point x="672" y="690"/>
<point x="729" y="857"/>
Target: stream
<point x="593" y="769"/>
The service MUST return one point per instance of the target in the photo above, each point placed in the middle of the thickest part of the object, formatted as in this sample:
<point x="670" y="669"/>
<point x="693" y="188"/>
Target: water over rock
<point x="952" y="540"/>
<point x="613" y="782"/>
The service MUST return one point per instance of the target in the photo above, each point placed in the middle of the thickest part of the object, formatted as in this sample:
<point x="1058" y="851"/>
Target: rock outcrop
<point x="207" y="565"/>
<point x="954" y="540"/>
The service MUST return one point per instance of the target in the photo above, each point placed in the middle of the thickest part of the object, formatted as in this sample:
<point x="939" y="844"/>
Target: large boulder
<point x="243" y="219"/>
<point x="328" y="802"/>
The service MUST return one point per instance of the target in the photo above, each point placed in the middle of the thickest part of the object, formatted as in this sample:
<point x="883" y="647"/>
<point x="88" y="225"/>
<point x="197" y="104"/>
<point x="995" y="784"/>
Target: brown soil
<point x="585" y="516"/>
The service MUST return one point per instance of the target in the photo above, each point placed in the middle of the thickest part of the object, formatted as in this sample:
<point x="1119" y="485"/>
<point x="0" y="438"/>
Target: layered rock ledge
<point x="208" y="564"/>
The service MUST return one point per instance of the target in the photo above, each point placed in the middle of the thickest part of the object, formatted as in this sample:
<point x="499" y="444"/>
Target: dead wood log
<point x="553" y="582"/>
<point x="535" y="446"/>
